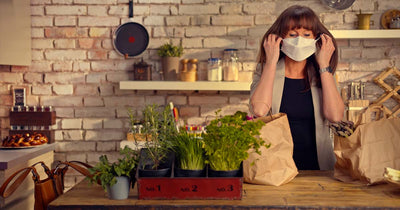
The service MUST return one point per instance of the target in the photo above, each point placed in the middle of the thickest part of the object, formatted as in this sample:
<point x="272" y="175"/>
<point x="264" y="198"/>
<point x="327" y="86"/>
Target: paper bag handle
<point x="380" y="108"/>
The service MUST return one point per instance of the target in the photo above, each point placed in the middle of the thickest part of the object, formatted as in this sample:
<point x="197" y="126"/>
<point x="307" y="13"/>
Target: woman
<point x="297" y="59"/>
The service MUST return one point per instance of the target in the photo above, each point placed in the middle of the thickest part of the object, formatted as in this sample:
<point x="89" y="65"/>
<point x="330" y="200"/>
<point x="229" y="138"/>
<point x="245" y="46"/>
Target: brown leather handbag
<point x="48" y="189"/>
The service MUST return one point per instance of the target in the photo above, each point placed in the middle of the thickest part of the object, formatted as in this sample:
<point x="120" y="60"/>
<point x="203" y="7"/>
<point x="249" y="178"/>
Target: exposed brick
<point x="64" y="78"/>
<point x="375" y="53"/>
<point x="63" y="89"/>
<point x="95" y="77"/>
<point x="265" y="19"/>
<point x="41" y="21"/>
<point x="350" y="53"/>
<point x="259" y="8"/>
<point x="81" y="66"/>
<point x="41" y="90"/>
<point x="106" y="146"/>
<point x="95" y="112"/>
<point x="86" y="90"/>
<point x="117" y="77"/>
<point x="154" y="21"/>
<point x="98" y="21"/>
<point x="192" y="43"/>
<point x="64" y="43"/>
<point x="37" y="55"/>
<point x="5" y="89"/>
<point x="367" y="65"/>
<point x="71" y="123"/>
<point x="42" y="44"/>
<point x="6" y="100"/>
<point x="76" y="157"/>
<point x="65" y="54"/>
<point x="92" y="123"/>
<point x="40" y="66"/>
<point x="40" y="2"/>
<point x="119" y="10"/>
<point x="200" y="20"/>
<point x="124" y="101"/>
<point x="99" y="32"/>
<point x="199" y="100"/>
<point x="177" y="100"/>
<point x="65" y="21"/>
<point x="65" y="32"/>
<point x="97" y="54"/>
<point x="231" y="9"/>
<point x="4" y="112"/>
<point x="163" y="32"/>
<point x="37" y="10"/>
<point x="106" y="90"/>
<point x="97" y="10"/>
<point x="62" y="66"/>
<point x="239" y="99"/>
<point x="66" y="10"/>
<point x="189" y="111"/>
<point x="177" y="20"/>
<point x="103" y="65"/>
<point x="237" y="31"/>
<point x="75" y="146"/>
<point x="198" y="9"/>
<point x="104" y="135"/>
<point x="61" y="101"/>
<point x="224" y="43"/>
<point x="106" y="2"/>
<point x="37" y="32"/>
<point x="113" y="123"/>
<point x="64" y="112"/>
<point x="8" y="77"/>
<point x="205" y="31"/>
<point x="93" y="101"/>
<point x="159" y="10"/>
<point x="234" y="20"/>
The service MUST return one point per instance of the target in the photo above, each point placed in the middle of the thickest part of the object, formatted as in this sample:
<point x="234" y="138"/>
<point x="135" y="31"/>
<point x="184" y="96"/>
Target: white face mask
<point x="298" y="48"/>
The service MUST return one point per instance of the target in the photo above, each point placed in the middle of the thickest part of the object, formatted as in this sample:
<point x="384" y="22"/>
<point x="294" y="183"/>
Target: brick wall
<point x="75" y="69"/>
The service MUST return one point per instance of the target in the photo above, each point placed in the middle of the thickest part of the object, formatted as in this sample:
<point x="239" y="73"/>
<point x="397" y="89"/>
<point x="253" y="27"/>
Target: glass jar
<point x="231" y="65"/>
<point x="214" y="69"/>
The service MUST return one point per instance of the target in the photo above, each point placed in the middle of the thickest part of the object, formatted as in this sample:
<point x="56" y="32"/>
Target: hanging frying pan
<point x="131" y="39"/>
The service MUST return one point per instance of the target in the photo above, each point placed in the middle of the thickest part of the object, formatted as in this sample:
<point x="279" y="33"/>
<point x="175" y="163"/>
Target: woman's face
<point x="305" y="33"/>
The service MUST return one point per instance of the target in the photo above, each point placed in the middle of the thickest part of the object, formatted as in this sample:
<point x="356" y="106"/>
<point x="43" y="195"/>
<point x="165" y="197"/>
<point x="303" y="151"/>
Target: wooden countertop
<point x="10" y="157"/>
<point x="309" y="190"/>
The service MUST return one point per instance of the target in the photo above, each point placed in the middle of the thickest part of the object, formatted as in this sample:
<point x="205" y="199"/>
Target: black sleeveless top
<point x="298" y="105"/>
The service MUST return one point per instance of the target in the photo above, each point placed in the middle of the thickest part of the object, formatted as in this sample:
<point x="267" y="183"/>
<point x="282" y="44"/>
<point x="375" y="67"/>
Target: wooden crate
<point x="33" y="118"/>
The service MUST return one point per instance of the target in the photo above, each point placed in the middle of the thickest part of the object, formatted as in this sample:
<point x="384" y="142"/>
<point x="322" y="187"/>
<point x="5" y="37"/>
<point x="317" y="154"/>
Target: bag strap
<point x="5" y="192"/>
<point x="80" y="169"/>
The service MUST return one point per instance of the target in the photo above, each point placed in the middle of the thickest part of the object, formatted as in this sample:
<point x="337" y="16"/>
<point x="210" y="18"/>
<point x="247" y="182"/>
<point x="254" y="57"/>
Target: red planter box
<point x="190" y="188"/>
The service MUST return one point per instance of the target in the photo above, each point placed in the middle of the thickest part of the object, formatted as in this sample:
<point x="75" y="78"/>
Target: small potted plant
<point x="158" y="128"/>
<point x="227" y="141"/>
<point x="170" y="55"/>
<point x="116" y="178"/>
<point x="189" y="154"/>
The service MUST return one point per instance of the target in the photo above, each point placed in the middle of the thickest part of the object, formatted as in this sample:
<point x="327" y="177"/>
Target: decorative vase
<point x="120" y="190"/>
<point x="178" y="172"/>
<point x="170" y="68"/>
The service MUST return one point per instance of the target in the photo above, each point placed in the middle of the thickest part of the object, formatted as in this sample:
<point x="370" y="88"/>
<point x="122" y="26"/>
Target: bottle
<point x="231" y="65"/>
<point x="214" y="69"/>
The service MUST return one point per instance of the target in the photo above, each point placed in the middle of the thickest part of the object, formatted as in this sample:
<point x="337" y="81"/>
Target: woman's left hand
<point x="324" y="54"/>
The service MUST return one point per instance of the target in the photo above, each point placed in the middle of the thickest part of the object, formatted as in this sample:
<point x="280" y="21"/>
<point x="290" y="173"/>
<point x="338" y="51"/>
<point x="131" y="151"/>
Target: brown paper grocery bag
<point x="275" y="166"/>
<point x="364" y="155"/>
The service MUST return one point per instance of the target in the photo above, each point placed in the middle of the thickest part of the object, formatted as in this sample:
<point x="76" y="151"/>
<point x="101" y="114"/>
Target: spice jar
<point x="214" y="69"/>
<point x="231" y="65"/>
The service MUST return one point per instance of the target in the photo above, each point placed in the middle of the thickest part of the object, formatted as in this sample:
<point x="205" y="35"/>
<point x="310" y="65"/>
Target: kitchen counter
<point x="11" y="157"/>
<point x="12" y="160"/>
<point x="309" y="190"/>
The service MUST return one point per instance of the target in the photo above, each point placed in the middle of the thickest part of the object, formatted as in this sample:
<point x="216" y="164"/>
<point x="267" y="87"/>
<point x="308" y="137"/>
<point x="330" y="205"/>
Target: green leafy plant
<point x="170" y="50"/>
<point x="105" y="172"/>
<point x="158" y="128"/>
<point x="227" y="140"/>
<point x="189" y="151"/>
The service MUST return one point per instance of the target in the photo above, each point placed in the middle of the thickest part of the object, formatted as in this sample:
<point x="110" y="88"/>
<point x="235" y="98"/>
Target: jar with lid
<point x="214" y="69"/>
<point x="231" y="65"/>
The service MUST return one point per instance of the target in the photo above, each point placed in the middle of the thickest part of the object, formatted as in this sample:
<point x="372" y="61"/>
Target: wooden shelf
<point x="366" y="34"/>
<point x="177" y="85"/>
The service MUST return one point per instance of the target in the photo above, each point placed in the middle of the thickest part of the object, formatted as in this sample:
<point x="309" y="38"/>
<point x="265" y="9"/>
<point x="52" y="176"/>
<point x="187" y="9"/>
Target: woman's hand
<point x="272" y="48"/>
<point x="324" y="54"/>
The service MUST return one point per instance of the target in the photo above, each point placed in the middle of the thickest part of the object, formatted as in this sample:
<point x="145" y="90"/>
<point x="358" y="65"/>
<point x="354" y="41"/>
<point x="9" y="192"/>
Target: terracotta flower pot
<point x="170" y="68"/>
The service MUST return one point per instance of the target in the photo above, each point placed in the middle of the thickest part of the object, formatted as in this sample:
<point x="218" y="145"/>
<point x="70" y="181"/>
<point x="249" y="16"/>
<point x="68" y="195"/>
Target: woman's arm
<point x="261" y="99"/>
<point x="332" y="103"/>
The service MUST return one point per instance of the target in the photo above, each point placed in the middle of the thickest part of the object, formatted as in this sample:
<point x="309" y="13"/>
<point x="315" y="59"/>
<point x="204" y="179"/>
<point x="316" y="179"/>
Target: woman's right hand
<point x="272" y="48"/>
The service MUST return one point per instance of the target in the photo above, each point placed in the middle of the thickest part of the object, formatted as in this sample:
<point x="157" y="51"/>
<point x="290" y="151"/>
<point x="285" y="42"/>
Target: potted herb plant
<point x="158" y="128"/>
<point x="116" y="178"/>
<point x="227" y="141"/>
<point x="170" y="55"/>
<point x="189" y="154"/>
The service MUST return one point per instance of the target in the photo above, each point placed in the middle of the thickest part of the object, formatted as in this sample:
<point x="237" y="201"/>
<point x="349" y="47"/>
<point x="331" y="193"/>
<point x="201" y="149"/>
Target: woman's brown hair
<point x="300" y="17"/>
